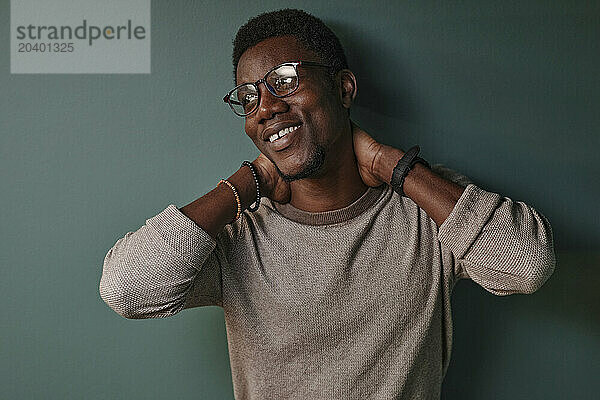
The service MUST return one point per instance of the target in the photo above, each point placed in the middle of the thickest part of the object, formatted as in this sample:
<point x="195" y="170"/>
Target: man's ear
<point x="348" y="88"/>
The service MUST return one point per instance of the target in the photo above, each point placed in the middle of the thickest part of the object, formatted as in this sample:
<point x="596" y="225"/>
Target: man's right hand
<point x="271" y="183"/>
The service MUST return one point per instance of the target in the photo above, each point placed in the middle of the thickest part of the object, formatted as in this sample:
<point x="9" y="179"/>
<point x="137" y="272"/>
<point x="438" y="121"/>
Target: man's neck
<point x="337" y="186"/>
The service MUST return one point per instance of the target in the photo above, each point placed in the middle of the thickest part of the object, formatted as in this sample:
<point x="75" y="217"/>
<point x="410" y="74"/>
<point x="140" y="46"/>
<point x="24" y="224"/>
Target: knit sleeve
<point x="168" y="264"/>
<point x="503" y="245"/>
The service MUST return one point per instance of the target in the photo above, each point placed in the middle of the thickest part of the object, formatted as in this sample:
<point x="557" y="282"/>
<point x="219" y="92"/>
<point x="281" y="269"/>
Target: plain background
<point x="507" y="93"/>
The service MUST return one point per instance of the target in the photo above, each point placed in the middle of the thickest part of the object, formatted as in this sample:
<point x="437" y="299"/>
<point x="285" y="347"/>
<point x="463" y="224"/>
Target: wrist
<point x="264" y="182"/>
<point x="244" y="182"/>
<point x="385" y="162"/>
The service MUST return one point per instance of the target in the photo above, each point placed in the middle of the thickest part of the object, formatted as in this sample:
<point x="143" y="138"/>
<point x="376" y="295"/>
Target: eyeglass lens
<point x="280" y="82"/>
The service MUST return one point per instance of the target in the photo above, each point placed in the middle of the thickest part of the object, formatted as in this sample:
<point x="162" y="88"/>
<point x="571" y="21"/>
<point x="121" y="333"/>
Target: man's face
<point x="315" y="107"/>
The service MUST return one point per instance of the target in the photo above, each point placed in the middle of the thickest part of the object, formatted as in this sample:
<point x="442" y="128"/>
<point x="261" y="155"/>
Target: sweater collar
<point x="364" y="202"/>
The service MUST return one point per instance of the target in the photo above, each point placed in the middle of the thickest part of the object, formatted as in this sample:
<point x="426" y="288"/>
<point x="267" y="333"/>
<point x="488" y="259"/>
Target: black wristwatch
<point x="405" y="164"/>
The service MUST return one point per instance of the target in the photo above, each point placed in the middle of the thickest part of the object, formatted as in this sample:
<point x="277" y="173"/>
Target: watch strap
<point x="404" y="165"/>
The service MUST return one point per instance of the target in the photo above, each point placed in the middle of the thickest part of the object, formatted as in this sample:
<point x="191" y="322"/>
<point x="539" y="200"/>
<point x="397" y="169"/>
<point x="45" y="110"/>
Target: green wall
<point x="506" y="92"/>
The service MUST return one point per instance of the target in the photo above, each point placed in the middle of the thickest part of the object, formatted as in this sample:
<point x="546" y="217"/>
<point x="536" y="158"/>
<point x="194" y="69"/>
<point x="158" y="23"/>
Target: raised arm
<point x="505" y="246"/>
<point x="170" y="263"/>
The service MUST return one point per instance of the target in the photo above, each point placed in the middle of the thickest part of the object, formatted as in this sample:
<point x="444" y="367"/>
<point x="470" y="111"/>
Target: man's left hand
<point x="367" y="151"/>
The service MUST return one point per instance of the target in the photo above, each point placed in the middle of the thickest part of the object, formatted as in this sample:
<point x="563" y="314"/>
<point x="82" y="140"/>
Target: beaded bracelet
<point x="257" y="202"/>
<point x="237" y="198"/>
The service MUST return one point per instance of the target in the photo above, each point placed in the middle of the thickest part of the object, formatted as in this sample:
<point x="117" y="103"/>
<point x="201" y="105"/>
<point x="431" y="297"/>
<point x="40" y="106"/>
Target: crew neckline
<point x="365" y="201"/>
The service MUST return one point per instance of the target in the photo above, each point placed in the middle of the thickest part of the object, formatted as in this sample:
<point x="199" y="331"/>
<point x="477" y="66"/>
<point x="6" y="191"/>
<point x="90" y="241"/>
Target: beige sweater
<point x="346" y="304"/>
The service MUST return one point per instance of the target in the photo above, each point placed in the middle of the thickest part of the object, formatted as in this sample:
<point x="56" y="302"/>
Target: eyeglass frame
<point x="271" y="90"/>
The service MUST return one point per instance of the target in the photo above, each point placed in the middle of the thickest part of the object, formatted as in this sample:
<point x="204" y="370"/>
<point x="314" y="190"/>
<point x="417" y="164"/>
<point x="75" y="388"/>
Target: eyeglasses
<point x="281" y="80"/>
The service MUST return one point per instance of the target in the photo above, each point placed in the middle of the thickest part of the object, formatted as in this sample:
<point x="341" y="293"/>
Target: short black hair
<point x="307" y="29"/>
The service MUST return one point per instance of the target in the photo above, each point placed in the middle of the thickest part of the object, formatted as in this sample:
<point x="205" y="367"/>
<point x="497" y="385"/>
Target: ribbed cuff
<point x="468" y="217"/>
<point x="182" y="234"/>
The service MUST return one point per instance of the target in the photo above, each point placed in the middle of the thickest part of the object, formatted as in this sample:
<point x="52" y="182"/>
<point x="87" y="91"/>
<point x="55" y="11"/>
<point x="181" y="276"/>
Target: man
<point x="337" y="286"/>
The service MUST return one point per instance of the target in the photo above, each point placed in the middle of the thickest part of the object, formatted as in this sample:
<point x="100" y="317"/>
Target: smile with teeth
<point x="282" y="133"/>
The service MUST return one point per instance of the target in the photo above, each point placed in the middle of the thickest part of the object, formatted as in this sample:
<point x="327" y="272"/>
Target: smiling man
<point x="333" y="256"/>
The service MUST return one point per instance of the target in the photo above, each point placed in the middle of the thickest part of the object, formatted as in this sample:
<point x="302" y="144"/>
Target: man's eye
<point x="248" y="98"/>
<point x="248" y="101"/>
<point x="284" y="83"/>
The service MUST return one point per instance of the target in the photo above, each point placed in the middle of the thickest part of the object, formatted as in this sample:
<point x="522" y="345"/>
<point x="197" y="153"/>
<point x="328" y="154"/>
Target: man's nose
<point x="269" y="104"/>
